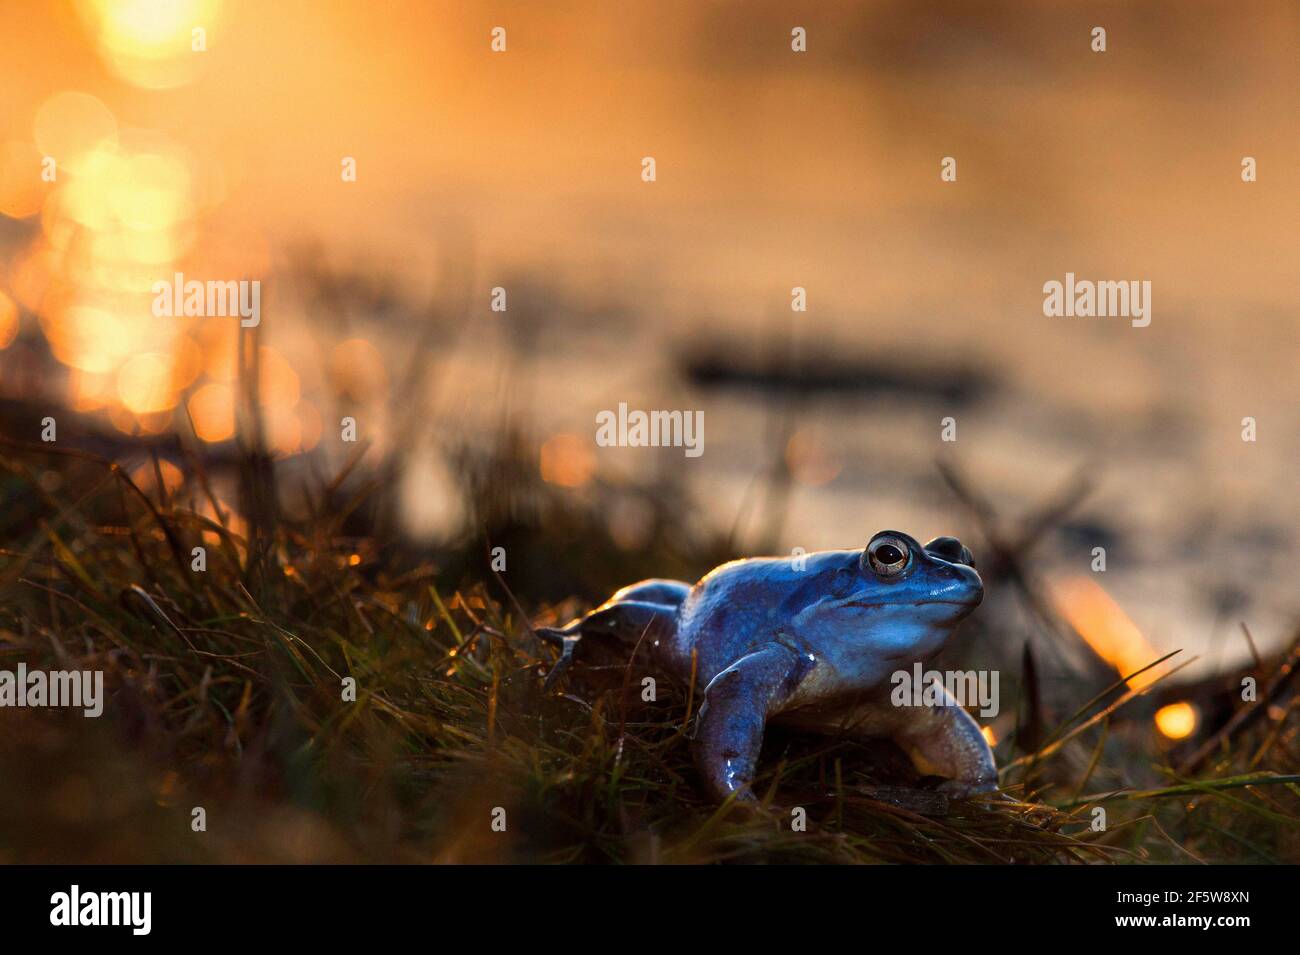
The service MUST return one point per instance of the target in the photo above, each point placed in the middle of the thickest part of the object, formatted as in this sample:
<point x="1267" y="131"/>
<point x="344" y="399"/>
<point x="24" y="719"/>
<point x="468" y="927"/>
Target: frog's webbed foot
<point x="946" y="741"/>
<point x="961" y="789"/>
<point x="567" y="646"/>
<point x="737" y="703"/>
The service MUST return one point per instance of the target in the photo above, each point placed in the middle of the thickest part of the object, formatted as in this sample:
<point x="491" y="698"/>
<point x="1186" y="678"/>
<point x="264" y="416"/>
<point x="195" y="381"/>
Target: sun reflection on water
<point x="156" y="44"/>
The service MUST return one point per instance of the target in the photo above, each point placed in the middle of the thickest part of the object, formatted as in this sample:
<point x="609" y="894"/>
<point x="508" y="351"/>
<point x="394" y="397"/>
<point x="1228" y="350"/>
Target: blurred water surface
<point x="774" y="170"/>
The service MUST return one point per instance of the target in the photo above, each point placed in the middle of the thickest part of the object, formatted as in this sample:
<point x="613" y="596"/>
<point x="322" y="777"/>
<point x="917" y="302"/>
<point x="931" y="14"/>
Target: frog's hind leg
<point x="617" y="626"/>
<point x="940" y="739"/>
<point x="946" y="741"/>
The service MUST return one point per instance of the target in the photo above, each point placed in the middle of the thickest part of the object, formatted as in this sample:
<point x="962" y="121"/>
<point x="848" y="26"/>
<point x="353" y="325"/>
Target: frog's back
<point x="746" y="603"/>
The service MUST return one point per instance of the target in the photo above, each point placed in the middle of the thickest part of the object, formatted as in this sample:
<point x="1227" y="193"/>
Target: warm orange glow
<point x="144" y="383"/>
<point x="74" y="129"/>
<point x="155" y="422"/>
<point x="1177" y="720"/>
<point x="22" y="190"/>
<point x="234" y="521"/>
<point x="150" y="43"/>
<point x="220" y="350"/>
<point x="123" y="420"/>
<point x="145" y="25"/>
<point x="357" y="370"/>
<point x="282" y="429"/>
<point x="567" y="460"/>
<point x="278" y="385"/>
<point x="809" y="460"/>
<point x="8" y="320"/>
<point x="151" y="190"/>
<point x="310" y="426"/>
<point x="117" y="216"/>
<point x="354" y="560"/>
<point x="90" y="391"/>
<point x="187" y="363"/>
<point x="136" y="200"/>
<point x="29" y="279"/>
<point x="1105" y="627"/>
<point x="213" y="409"/>
<point x="989" y="736"/>
<point x="147" y="479"/>
<point x="87" y="337"/>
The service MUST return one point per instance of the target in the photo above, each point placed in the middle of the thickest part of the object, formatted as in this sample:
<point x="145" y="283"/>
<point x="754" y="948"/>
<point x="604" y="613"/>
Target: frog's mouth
<point x="877" y="604"/>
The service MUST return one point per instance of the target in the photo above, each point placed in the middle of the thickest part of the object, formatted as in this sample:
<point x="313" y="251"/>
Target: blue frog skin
<point x="809" y="641"/>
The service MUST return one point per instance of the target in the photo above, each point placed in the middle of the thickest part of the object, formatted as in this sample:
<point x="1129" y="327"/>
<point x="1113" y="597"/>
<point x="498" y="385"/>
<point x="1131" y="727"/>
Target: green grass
<point x="226" y="692"/>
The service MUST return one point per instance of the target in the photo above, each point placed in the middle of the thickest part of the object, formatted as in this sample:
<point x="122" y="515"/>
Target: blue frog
<point x="810" y="641"/>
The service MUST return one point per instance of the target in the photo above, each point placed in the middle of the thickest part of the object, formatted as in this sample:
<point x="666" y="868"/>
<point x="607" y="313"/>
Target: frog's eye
<point x="889" y="556"/>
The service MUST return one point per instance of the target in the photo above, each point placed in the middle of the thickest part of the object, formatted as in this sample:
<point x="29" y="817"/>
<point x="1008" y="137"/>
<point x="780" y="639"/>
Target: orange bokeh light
<point x="357" y="370"/>
<point x="810" y="461"/>
<point x="1177" y="720"/>
<point x="144" y="383"/>
<point x="212" y="409"/>
<point x="8" y="320"/>
<point x="567" y="460"/>
<point x="1106" y="628"/>
<point x="75" y="129"/>
<point x="277" y="383"/>
<point x="22" y="190"/>
<point x="155" y="44"/>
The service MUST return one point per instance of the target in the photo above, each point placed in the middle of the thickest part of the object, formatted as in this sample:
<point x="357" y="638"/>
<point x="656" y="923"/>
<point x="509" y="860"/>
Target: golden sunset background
<point x="522" y="170"/>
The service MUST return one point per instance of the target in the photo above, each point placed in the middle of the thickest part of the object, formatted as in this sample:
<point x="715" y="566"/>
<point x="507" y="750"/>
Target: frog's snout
<point x="970" y="582"/>
<point x="951" y="550"/>
<point x="958" y="568"/>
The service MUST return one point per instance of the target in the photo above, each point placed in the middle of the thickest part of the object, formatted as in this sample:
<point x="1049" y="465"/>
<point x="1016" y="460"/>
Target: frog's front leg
<point x="737" y="704"/>
<point x="946" y="741"/>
